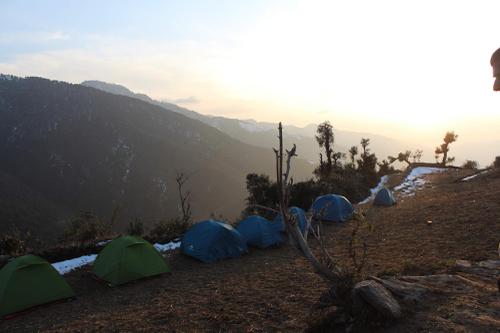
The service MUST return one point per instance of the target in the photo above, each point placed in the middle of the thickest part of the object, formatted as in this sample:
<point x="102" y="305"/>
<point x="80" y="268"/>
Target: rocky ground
<point x="275" y="289"/>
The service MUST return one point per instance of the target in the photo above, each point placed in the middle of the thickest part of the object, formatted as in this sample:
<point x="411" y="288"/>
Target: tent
<point x="126" y="259"/>
<point x="210" y="240"/>
<point x="298" y="213"/>
<point x="384" y="197"/>
<point x="332" y="208"/>
<point x="28" y="281"/>
<point x="258" y="231"/>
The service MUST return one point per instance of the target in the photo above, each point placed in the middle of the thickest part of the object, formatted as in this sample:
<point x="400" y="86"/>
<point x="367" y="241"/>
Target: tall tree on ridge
<point x="443" y="149"/>
<point x="325" y="139"/>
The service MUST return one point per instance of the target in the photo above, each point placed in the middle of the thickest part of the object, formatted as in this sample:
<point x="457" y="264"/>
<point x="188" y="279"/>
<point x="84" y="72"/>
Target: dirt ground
<point x="275" y="289"/>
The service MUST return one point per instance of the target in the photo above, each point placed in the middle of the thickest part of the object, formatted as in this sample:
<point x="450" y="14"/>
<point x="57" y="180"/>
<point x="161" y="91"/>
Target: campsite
<point x="252" y="292"/>
<point x="249" y="166"/>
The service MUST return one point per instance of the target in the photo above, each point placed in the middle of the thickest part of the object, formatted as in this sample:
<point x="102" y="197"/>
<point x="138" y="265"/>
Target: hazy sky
<point x="406" y="69"/>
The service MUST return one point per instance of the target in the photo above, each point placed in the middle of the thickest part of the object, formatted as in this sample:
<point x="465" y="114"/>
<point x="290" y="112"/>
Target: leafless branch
<point x="184" y="197"/>
<point x="325" y="267"/>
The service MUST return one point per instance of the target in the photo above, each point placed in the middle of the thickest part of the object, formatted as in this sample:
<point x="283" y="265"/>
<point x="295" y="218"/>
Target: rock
<point x="463" y="263"/>
<point x="490" y="264"/>
<point x="405" y="291"/>
<point x="378" y="297"/>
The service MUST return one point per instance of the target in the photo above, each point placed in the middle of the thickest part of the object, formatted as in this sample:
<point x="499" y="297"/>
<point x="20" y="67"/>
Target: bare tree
<point x="326" y="268"/>
<point x="417" y="155"/>
<point x="184" y="196"/>
<point x="345" y="294"/>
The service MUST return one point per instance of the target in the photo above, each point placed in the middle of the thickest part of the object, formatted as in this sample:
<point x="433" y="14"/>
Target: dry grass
<point x="274" y="290"/>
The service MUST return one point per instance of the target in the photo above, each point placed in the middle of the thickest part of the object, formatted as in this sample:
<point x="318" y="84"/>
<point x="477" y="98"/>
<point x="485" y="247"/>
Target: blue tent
<point x="259" y="232"/>
<point x="332" y="208"/>
<point x="296" y="212"/>
<point x="384" y="197"/>
<point x="210" y="240"/>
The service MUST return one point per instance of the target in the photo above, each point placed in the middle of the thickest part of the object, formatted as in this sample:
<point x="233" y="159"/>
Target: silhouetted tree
<point x="337" y="157"/>
<point x="365" y="142"/>
<point x="261" y="191"/>
<point x="325" y="140"/>
<point x="417" y="155"/>
<point x="367" y="163"/>
<point x="385" y="168"/>
<point x="443" y="149"/>
<point x="402" y="157"/>
<point x="353" y="152"/>
<point x="469" y="164"/>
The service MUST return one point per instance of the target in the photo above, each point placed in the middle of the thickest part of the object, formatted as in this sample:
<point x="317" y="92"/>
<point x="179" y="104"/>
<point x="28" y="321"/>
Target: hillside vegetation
<point x="73" y="148"/>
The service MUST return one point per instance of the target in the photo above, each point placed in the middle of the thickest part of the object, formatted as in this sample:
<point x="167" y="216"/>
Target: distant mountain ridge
<point x="79" y="148"/>
<point x="261" y="133"/>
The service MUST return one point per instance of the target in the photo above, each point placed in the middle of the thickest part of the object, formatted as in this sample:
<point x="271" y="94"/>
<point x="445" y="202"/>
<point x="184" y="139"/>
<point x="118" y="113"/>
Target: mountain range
<point x="261" y="133"/>
<point x="68" y="148"/>
<point x="95" y="146"/>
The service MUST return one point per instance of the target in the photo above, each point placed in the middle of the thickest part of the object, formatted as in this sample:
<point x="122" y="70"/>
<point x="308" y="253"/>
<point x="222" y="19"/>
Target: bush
<point x="16" y="243"/>
<point x="469" y="164"/>
<point x="136" y="228"/>
<point x="166" y="230"/>
<point x="12" y="245"/>
<point x="496" y="163"/>
<point x="85" y="228"/>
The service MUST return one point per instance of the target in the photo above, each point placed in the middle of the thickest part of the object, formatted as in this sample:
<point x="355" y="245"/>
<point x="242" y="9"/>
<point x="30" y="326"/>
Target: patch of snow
<point x="7" y="77"/>
<point x="103" y="242"/>
<point x="168" y="246"/>
<point x="374" y="191"/>
<point x="474" y="175"/>
<point x="414" y="180"/>
<point x="67" y="266"/>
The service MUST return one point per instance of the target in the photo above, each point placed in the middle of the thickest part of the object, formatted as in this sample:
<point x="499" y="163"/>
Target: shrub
<point x="12" y="245"/>
<point x="469" y="164"/>
<point x="136" y="228"/>
<point x="16" y="243"/>
<point x="166" y="230"/>
<point x="85" y="228"/>
<point x="496" y="163"/>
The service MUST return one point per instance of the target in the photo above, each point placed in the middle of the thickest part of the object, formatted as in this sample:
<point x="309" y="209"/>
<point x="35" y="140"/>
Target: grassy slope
<point x="275" y="290"/>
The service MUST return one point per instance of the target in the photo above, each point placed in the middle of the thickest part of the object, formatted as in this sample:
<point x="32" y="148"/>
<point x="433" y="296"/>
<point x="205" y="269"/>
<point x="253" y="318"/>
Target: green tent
<point x="128" y="258"/>
<point x="28" y="281"/>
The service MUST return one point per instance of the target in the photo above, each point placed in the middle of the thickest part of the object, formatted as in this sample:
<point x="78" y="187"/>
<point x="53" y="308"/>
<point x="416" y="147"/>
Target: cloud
<point x="38" y="37"/>
<point x="55" y="35"/>
<point x="186" y="100"/>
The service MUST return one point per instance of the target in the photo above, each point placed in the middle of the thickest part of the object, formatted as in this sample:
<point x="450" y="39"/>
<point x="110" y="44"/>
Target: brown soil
<point x="275" y="289"/>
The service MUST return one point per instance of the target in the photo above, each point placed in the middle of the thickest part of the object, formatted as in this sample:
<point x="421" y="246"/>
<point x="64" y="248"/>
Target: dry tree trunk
<point x="184" y="197"/>
<point x="328" y="271"/>
<point x="378" y="293"/>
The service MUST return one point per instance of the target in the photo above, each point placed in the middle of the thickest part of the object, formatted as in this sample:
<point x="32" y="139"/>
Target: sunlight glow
<point x="398" y="68"/>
